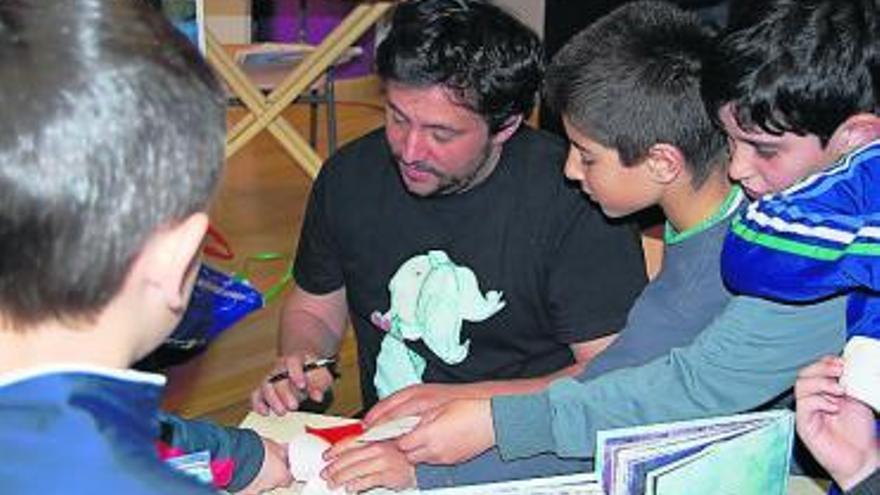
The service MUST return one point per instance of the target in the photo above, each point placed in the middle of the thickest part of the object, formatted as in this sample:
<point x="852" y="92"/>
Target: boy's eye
<point x="587" y="161"/>
<point x="443" y="136"/>
<point x="765" y="152"/>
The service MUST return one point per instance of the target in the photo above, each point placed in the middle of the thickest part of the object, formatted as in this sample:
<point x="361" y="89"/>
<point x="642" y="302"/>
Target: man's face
<point x="440" y="147"/>
<point x="618" y="190"/>
<point x="764" y="163"/>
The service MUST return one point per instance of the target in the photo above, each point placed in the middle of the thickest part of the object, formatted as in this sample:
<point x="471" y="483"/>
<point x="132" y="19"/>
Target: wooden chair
<point x="265" y="110"/>
<point x="267" y="64"/>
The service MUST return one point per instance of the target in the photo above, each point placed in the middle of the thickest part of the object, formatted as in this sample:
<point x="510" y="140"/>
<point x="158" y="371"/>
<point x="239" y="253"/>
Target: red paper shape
<point x="336" y="434"/>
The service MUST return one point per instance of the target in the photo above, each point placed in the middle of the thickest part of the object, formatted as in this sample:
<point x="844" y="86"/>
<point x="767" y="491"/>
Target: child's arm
<point x="748" y="356"/>
<point x="816" y="239"/>
<point x="257" y="461"/>
<point x="275" y="471"/>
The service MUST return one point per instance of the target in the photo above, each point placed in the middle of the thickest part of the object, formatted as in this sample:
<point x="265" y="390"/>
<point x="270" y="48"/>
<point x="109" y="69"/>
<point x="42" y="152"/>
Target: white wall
<point x="229" y="20"/>
<point x="530" y="12"/>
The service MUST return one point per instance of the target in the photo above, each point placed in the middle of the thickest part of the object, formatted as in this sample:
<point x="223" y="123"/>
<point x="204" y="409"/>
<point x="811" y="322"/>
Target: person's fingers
<point x="806" y="387"/>
<point x="813" y="404"/>
<point x="293" y="365"/>
<point x="383" y="411"/>
<point x="418" y="456"/>
<point x="341" y="447"/>
<point x="418" y="437"/>
<point x="319" y="380"/>
<point x="269" y="396"/>
<point x="416" y="406"/>
<point x="828" y="366"/>
<point x="258" y="405"/>
<point x="366" y="482"/>
<point x="289" y="396"/>
<point x="354" y="463"/>
<point x="369" y="467"/>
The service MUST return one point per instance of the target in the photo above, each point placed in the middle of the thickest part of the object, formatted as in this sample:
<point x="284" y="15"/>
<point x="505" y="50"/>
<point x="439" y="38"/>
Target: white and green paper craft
<point x="746" y="454"/>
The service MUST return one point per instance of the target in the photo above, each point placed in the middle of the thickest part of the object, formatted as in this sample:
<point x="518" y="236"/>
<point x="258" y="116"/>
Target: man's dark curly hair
<point x="491" y="62"/>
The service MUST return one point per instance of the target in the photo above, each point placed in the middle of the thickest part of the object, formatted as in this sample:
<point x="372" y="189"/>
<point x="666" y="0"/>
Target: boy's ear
<point x="171" y="257"/>
<point x="854" y="132"/>
<point x="507" y="129"/>
<point x="665" y="163"/>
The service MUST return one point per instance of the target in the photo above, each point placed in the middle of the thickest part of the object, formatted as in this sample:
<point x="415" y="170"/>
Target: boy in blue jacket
<point x="111" y="144"/>
<point x="801" y="86"/>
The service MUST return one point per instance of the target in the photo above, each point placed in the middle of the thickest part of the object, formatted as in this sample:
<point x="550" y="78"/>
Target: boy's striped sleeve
<point x="818" y="238"/>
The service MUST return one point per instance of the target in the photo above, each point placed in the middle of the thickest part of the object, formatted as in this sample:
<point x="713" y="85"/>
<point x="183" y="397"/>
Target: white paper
<point x="305" y="455"/>
<point x="861" y="370"/>
<point x="391" y="429"/>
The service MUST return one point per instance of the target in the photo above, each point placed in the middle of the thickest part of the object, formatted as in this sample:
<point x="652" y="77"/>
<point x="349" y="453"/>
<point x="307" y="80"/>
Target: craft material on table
<point x="861" y="370"/>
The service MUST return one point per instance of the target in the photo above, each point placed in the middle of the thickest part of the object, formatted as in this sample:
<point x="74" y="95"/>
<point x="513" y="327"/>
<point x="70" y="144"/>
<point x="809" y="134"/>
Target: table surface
<point x="282" y="428"/>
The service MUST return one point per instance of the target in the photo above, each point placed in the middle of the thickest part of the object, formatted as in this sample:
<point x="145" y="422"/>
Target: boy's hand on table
<point x="275" y="471"/>
<point x="452" y="433"/>
<point x="286" y="394"/>
<point x="361" y="466"/>
<point x="838" y="430"/>
<point x="413" y="401"/>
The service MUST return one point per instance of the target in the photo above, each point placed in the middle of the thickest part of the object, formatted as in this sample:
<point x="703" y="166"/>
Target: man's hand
<point x="838" y="429"/>
<point x="274" y="472"/>
<point x="453" y="433"/>
<point x="413" y="401"/>
<point x="362" y="466"/>
<point x="286" y="394"/>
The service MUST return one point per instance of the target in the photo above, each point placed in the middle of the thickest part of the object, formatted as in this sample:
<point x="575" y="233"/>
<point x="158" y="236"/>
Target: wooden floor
<point x="259" y="208"/>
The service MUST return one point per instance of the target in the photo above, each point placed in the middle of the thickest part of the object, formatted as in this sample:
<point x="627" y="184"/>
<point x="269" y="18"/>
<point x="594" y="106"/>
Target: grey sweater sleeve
<point x="747" y="356"/>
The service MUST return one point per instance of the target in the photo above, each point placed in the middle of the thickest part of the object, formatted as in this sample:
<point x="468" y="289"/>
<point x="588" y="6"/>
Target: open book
<point x="742" y="454"/>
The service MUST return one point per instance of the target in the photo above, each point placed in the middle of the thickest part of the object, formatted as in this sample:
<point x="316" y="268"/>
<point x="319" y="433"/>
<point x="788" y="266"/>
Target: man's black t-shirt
<point x="566" y="275"/>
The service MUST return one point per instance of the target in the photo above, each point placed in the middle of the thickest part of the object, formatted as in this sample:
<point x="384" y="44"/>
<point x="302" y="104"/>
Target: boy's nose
<point x="572" y="169"/>
<point x="739" y="169"/>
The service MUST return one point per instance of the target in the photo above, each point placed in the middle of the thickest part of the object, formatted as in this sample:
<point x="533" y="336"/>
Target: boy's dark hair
<point x="111" y="127"/>
<point x="492" y="63"/>
<point x="632" y="80"/>
<point x="804" y="67"/>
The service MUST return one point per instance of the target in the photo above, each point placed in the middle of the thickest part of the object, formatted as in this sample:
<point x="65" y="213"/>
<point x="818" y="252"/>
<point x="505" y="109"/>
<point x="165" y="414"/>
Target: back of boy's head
<point x="632" y="80"/>
<point x="111" y="127"/>
<point x="803" y="66"/>
<point x="489" y="60"/>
